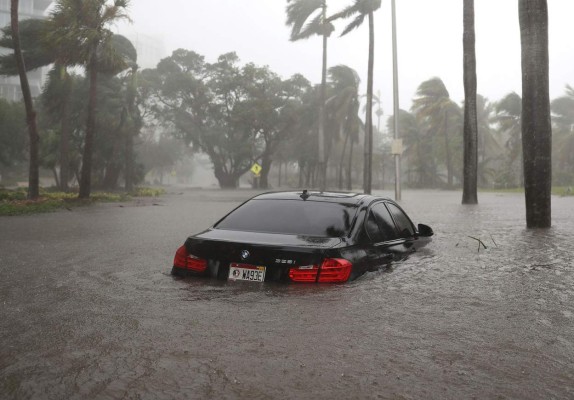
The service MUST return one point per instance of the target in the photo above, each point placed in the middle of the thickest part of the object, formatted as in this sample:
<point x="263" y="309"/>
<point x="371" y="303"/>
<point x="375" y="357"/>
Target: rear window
<point x="294" y="217"/>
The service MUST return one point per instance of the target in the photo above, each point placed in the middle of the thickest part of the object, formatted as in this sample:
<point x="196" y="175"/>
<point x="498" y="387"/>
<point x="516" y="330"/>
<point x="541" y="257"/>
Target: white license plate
<point x="245" y="272"/>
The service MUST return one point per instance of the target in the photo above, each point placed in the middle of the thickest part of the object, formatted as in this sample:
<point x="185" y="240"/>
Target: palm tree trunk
<point x="86" y="176"/>
<point x="266" y="162"/>
<point x="137" y="125"/>
<point x="470" y="175"/>
<point x="33" y="172"/>
<point x="536" y="124"/>
<point x="368" y="163"/>
<point x="322" y="157"/>
<point x="65" y="144"/>
<point x="342" y="162"/>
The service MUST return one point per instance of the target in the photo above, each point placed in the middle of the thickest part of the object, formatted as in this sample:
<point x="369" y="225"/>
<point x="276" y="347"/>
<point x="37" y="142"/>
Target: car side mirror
<point x="425" y="230"/>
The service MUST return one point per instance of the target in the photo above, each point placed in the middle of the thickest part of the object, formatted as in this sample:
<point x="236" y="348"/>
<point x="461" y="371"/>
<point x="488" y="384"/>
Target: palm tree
<point x="308" y="18"/>
<point x="33" y="175"/>
<point x="563" y="112"/>
<point x="440" y="114"/>
<point x="470" y="173"/>
<point x="359" y="10"/>
<point x="508" y="120"/>
<point x="344" y="106"/>
<point x="536" y="123"/>
<point x="421" y="171"/>
<point x="39" y="52"/>
<point x="488" y="148"/>
<point x="80" y="27"/>
<point x="56" y="100"/>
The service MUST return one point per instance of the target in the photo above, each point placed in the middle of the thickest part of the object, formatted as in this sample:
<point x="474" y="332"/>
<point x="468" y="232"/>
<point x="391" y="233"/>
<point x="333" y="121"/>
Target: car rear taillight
<point x="307" y="273"/>
<point x="335" y="270"/>
<point x="188" y="261"/>
<point x="332" y="270"/>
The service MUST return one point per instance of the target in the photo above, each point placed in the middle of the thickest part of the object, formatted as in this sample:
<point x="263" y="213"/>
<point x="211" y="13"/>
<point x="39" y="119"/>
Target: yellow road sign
<point x="256" y="169"/>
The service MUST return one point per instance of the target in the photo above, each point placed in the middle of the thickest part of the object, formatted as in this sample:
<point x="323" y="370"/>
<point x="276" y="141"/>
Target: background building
<point x="10" y="86"/>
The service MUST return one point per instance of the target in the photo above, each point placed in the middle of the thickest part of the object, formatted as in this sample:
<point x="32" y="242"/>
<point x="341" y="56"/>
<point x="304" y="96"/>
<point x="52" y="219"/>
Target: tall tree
<point x="536" y="122"/>
<point x="39" y="52"/>
<point x="359" y="10"/>
<point x="470" y="173"/>
<point x="33" y="173"/>
<point x="308" y="18"/>
<point x="81" y="27"/>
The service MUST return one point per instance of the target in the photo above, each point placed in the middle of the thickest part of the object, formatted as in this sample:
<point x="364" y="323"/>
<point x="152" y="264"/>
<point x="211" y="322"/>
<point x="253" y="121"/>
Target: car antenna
<point x="305" y="195"/>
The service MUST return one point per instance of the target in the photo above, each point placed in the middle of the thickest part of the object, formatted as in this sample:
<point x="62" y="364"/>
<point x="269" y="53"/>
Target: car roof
<point x="311" y="195"/>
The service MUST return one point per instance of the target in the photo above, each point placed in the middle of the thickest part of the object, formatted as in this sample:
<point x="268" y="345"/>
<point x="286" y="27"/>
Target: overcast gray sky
<point x="429" y="38"/>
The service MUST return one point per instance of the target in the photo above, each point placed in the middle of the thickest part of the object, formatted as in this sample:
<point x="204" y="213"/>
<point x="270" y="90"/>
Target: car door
<point x="405" y="228"/>
<point x="385" y="243"/>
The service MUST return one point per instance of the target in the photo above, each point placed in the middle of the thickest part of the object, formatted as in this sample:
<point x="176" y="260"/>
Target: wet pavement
<point x="88" y="309"/>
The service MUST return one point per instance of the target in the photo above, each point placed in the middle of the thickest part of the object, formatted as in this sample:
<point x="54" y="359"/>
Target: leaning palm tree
<point x="435" y="108"/>
<point x="488" y="147"/>
<point x="508" y="120"/>
<point x="309" y="18"/>
<point x="33" y="176"/>
<point x="80" y="26"/>
<point x="359" y="10"/>
<point x="37" y="53"/>
<point x="344" y="107"/>
<point x="420" y="169"/>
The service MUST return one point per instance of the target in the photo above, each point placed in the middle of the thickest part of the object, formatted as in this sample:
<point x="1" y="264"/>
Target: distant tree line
<point x="241" y="114"/>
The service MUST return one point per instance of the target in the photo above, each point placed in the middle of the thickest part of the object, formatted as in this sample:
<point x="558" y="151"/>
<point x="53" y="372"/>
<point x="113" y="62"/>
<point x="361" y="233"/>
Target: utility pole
<point x="397" y="143"/>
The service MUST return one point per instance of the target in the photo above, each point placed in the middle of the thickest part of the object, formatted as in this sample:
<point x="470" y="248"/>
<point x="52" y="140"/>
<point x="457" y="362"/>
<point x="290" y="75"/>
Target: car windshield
<point x="294" y="217"/>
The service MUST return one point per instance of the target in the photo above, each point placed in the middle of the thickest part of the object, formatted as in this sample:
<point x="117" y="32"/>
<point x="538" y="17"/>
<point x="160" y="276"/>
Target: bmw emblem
<point x="244" y="254"/>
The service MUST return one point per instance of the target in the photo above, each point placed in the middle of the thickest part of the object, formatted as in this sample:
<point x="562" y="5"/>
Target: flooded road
<point x="88" y="309"/>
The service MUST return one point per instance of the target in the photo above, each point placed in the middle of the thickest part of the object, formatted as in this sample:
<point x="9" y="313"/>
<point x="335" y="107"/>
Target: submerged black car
<point x="302" y="237"/>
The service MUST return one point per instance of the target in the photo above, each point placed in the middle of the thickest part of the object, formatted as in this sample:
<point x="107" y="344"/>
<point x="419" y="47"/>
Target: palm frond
<point x="353" y="25"/>
<point x="298" y="14"/>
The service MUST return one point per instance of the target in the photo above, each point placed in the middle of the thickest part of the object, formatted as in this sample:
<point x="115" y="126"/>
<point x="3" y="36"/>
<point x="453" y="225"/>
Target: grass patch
<point x="14" y="202"/>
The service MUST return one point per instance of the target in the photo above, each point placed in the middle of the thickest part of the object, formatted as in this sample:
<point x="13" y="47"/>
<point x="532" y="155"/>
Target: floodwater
<point x="88" y="309"/>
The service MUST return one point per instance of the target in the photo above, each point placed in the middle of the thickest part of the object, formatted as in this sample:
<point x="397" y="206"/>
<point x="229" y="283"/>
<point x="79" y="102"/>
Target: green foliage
<point x="36" y="49"/>
<point x="78" y="30"/>
<point x="160" y="156"/>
